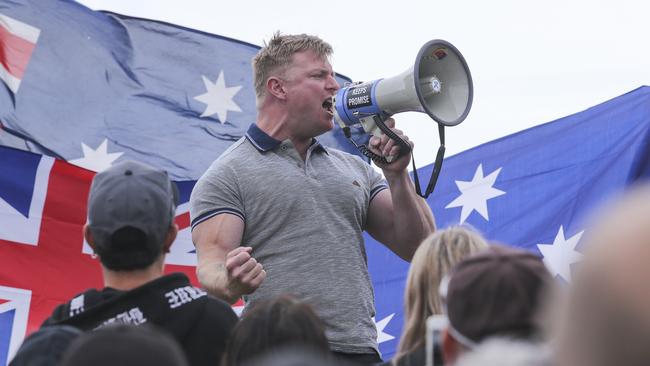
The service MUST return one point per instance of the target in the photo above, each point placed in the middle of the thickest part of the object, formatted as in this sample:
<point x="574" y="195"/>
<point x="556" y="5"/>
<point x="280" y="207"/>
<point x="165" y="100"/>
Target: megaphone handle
<point x="405" y="147"/>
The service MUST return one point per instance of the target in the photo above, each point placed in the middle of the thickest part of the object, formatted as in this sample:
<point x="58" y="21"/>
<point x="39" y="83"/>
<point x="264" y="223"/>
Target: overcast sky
<point x="531" y="61"/>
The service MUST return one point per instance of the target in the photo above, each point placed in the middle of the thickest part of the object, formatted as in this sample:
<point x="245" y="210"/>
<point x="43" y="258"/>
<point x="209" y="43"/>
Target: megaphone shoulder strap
<point x="437" y="166"/>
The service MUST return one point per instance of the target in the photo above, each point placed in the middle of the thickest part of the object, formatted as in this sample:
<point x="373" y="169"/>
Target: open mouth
<point x="328" y="105"/>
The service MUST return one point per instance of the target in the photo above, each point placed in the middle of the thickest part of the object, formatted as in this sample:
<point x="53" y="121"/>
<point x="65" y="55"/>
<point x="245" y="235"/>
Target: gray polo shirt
<point x="304" y="221"/>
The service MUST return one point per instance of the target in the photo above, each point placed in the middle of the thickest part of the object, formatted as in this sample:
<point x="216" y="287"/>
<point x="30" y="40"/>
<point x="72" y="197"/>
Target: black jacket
<point x="201" y="323"/>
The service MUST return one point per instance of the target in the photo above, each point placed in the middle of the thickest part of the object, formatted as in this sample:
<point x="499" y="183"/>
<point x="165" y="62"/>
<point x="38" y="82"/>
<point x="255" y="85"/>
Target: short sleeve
<point x="376" y="182"/>
<point x="216" y="192"/>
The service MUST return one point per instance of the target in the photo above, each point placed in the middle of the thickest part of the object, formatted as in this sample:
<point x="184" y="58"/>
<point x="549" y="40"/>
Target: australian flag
<point x="94" y="87"/>
<point x="91" y="88"/>
<point x="533" y="189"/>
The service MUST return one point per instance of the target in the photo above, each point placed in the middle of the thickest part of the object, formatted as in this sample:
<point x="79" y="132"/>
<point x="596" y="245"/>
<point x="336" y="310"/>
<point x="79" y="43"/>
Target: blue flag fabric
<point x="93" y="87"/>
<point x="533" y="189"/>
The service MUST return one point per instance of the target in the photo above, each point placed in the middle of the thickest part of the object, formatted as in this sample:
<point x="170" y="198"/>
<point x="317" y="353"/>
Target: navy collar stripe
<point x="263" y="142"/>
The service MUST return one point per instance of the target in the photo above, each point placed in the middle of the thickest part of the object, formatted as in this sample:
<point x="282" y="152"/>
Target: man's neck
<point x="128" y="280"/>
<point x="280" y="129"/>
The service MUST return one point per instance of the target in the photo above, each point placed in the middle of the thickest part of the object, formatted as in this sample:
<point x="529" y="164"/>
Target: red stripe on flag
<point x="183" y="220"/>
<point x="14" y="52"/>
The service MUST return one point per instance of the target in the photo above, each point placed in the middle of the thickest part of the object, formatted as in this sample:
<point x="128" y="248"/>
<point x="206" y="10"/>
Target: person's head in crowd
<point x="497" y="292"/>
<point x="294" y="356"/>
<point x="606" y="318"/>
<point x="125" y="345"/>
<point x="432" y="260"/>
<point x="45" y="347"/>
<point x="283" y="321"/>
<point x="507" y="352"/>
<point x="130" y="226"/>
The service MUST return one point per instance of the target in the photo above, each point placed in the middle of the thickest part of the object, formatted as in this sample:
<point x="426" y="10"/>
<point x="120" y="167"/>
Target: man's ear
<point x="275" y="87"/>
<point x="450" y="348"/>
<point x="89" y="236"/>
<point x="170" y="237"/>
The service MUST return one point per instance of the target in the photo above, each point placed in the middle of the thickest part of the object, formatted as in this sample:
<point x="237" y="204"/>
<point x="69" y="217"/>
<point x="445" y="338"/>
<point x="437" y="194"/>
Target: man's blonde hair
<point x="278" y="53"/>
<point x="431" y="262"/>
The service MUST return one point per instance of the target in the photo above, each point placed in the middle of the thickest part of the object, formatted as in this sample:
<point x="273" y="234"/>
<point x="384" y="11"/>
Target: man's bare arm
<point x="225" y="269"/>
<point x="399" y="222"/>
<point x="398" y="218"/>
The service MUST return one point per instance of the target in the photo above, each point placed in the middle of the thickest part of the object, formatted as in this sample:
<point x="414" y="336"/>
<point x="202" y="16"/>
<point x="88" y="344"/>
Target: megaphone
<point x="438" y="84"/>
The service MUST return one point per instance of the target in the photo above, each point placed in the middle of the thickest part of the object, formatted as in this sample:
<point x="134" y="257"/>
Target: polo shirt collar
<point x="260" y="139"/>
<point x="263" y="142"/>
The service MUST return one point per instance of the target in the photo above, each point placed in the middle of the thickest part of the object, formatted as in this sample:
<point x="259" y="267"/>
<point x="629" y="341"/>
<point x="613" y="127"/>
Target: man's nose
<point x="332" y="84"/>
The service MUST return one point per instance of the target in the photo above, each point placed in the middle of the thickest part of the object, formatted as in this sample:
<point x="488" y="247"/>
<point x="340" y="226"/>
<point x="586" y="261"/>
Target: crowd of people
<point x="277" y="220"/>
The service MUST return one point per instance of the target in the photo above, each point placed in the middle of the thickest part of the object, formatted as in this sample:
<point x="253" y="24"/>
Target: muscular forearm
<point x="412" y="217"/>
<point x="225" y="268"/>
<point x="213" y="277"/>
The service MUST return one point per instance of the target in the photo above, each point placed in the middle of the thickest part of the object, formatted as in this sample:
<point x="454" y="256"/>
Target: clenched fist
<point x="245" y="274"/>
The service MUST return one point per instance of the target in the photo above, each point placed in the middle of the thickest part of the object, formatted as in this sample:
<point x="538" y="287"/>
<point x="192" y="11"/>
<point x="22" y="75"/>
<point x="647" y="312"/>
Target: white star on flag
<point x="560" y="255"/>
<point x="381" y="325"/>
<point x="218" y="98"/>
<point x="475" y="194"/>
<point x="96" y="160"/>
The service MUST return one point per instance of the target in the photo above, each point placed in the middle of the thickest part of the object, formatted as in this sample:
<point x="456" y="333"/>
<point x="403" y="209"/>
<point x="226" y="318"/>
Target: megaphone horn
<point x="438" y="84"/>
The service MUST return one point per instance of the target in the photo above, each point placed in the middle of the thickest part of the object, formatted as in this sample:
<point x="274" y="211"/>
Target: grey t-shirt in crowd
<point x="304" y="221"/>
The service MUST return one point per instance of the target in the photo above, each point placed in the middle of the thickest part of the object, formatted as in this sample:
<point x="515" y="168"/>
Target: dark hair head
<point x="283" y="321"/>
<point x="46" y="346"/>
<point x="125" y="345"/>
<point x="127" y="249"/>
<point x="497" y="292"/>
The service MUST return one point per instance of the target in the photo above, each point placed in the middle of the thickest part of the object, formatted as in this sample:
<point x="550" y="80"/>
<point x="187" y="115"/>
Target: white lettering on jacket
<point x="183" y="295"/>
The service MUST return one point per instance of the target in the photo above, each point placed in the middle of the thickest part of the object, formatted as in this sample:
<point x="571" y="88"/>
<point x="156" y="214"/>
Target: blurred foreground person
<point x="607" y="319"/>
<point x="507" y="352"/>
<point x="431" y="262"/>
<point x="46" y="346"/>
<point x="131" y="209"/>
<point x="295" y="356"/>
<point x="273" y="324"/>
<point x="496" y="293"/>
<point x="125" y="345"/>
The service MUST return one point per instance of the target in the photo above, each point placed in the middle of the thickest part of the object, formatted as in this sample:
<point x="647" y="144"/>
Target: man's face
<point x="310" y="86"/>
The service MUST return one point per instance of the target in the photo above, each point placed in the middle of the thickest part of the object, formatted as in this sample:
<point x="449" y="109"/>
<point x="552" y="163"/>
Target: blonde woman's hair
<point x="432" y="260"/>
<point x="278" y="53"/>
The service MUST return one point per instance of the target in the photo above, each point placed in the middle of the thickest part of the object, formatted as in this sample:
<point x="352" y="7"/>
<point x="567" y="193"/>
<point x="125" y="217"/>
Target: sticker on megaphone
<point x="356" y="105"/>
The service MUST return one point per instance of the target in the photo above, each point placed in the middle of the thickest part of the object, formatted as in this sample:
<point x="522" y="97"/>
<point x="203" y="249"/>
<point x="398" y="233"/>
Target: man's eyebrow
<point x="322" y="71"/>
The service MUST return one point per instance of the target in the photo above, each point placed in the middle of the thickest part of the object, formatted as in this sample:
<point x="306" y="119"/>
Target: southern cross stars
<point x="560" y="255"/>
<point x="381" y="325"/>
<point x="218" y="98"/>
<point x="475" y="194"/>
<point x="96" y="160"/>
